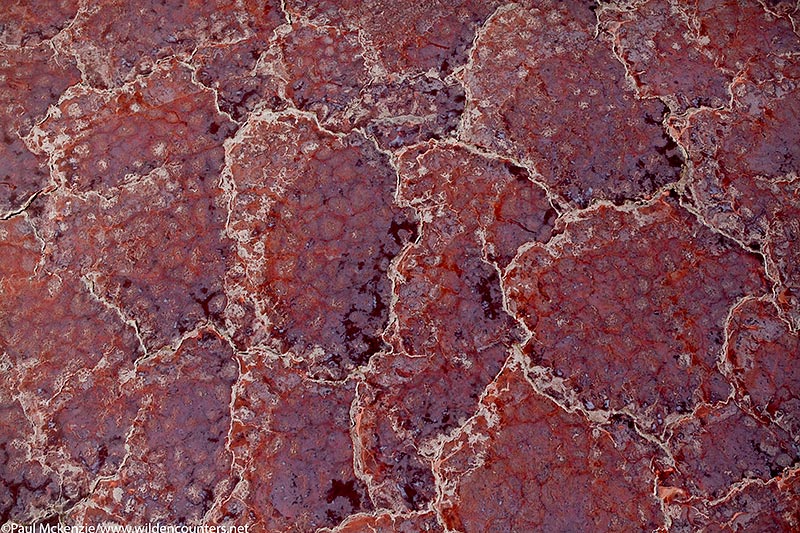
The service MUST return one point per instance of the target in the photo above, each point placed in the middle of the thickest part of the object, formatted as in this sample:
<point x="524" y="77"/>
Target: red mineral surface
<point x="762" y="353"/>
<point x="401" y="523"/>
<point x="33" y="78"/>
<point x="650" y="285"/>
<point x="63" y="352"/>
<point x="522" y="458"/>
<point x="27" y="23"/>
<point x="139" y="216"/>
<point x="667" y="53"/>
<point x="542" y="88"/>
<point x="406" y="37"/>
<point x="721" y="446"/>
<point x="756" y="506"/>
<point x="745" y="173"/>
<point x="115" y="41"/>
<point x="293" y="451"/>
<point x="239" y="77"/>
<point x="316" y="229"/>
<point x="451" y="331"/>
<point x="291" y="266"/>
<point x="177" y="462"/>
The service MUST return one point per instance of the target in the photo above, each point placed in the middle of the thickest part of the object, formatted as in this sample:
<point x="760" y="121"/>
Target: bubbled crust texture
<point x="395" y="266"/>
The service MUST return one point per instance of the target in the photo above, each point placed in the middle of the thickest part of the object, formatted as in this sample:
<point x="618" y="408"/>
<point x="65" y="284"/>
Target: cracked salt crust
<point x="136" y="252"/>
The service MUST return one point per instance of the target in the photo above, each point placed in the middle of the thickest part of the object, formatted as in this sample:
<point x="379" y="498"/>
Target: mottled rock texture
<point x="401" y="266"/>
